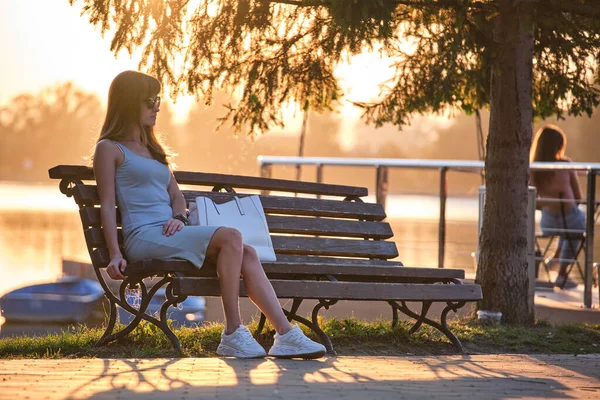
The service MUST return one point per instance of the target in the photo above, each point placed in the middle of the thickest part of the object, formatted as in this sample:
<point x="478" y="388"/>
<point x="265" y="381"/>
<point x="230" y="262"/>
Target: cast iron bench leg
<point x="140" y="313"/>
<point x="295" y="305"/>
<point x="111" y="321"/>
<point x="130" y="281"/>
<point x="290" y="316"/>
<point x="442" y="326"/>
<point x="317" y="329"/>
<point x="314" y="325"/>
<point x="261" y="324"/>
<point x="424" y="310"/>
<point x="417" y="325"/>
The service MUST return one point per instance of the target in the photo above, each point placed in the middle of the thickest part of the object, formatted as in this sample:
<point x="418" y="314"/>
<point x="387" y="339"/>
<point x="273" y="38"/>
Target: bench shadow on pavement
<point x="587" y="365"/>
<point x="331" y="377"/>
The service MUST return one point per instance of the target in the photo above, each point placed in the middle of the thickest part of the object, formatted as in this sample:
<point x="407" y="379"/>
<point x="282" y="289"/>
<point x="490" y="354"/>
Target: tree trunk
<point x="502" y="266"/>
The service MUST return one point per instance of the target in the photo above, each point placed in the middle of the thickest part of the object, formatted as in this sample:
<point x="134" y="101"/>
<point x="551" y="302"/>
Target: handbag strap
<point x="237" y="202"/>
<point x="239" y="205"/>
<point x="206" y="210"/>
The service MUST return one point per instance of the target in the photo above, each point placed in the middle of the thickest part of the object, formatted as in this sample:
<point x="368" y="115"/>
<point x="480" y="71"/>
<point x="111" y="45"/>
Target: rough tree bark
<point x="502" y="266"/>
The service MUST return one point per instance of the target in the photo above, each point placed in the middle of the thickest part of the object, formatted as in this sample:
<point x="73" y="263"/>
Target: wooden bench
<point x="327" y="249"/>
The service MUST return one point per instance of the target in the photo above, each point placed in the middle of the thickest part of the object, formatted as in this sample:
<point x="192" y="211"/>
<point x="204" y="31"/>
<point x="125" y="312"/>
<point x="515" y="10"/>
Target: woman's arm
<point x="178" y="205"/>
<point x="106" y="158"/>
<point x="177" y="199"/>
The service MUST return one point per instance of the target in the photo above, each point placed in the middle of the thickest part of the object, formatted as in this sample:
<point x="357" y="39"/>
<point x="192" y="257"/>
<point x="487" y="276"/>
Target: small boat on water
<point x="73" y="299"/>
<point x="68" y="300"/>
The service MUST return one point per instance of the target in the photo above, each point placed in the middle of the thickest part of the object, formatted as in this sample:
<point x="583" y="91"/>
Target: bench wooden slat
<point x="378" y="271"/>
<point x="340" y="290"/>
<point x="90" y="216"/>
<point x="279" y="185"/>
<point x="363" y="270"/>
<point x="328" y="227"/>
<point x="94" y="237"/>
<point x="332" y="260"/>
<point x="236" y="181"/>
<point x="80" y="172"/>
<point x="334" y="247"/>
<point x="87" y="195"/>
<point x="100" y="258"/>
<point x="307" y="206"/>
<point x="294" y="245"/>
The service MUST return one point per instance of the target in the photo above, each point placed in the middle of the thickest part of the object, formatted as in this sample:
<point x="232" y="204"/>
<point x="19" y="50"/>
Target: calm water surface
<point x="39" y="227"/>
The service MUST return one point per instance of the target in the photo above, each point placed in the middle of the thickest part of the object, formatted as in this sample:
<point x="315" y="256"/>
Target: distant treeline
<point x="60" y="124"/>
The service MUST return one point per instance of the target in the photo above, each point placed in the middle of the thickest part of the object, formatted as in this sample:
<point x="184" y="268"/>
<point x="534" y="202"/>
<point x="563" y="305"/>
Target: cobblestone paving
<point x="476" y="376"/>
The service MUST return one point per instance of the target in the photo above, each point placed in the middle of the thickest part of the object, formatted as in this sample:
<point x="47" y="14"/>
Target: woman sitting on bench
<point x="132" y="171"/>
<point x="549" y="145"/>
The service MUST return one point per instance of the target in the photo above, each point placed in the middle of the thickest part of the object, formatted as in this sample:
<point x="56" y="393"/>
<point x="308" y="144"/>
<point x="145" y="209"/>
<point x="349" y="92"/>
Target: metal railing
<point x="382" y="165"/>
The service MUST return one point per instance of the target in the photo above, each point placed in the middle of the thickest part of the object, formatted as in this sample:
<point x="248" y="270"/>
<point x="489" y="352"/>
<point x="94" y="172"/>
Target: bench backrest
<point x="300" y="227"/>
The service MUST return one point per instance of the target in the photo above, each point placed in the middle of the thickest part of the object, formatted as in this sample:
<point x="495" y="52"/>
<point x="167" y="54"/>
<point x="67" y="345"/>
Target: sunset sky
<point x="47" y="41"/>
<point x="44" y="42"/>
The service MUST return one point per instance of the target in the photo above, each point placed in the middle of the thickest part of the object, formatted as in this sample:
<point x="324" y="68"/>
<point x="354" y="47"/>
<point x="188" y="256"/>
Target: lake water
<point x="39" y="227"/>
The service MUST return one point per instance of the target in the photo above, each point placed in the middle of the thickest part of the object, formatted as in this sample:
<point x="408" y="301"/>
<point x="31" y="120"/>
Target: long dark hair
<point x="548" y="145"/>
<point x="126" y="95"/>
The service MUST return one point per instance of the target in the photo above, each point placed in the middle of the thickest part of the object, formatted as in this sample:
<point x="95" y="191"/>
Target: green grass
<point x="349" y="337"/>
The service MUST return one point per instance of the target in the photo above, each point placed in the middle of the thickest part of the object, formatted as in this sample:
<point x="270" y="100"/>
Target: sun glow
<point x="361" y="79"/>
<point x="70" y="49"/>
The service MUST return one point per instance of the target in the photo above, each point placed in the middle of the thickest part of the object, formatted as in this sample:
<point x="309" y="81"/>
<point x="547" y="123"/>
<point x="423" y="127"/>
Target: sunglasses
<point x="152" y="102"/>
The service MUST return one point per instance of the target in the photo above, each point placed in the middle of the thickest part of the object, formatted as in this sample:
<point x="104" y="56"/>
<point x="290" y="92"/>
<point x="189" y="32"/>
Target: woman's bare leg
<point x="261" y="291"/>
<point x="227" y="248"/>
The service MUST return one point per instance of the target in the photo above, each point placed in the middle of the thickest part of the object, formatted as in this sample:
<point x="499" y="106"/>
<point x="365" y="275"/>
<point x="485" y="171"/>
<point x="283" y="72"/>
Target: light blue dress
<point x="143" y="200"/>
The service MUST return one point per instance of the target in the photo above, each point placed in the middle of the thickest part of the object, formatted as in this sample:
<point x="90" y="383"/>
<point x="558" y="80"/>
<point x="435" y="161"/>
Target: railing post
<point x="442" y="222"/>
<point x="319" y="176"/>
<point x="265" y="172"/>
<point x="589" y="237"/>
<point x="381" y="185"/>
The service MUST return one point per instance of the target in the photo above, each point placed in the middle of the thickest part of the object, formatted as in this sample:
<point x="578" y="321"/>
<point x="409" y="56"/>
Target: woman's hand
<point x="171" y="226"/>
<point x="116" y="267"/>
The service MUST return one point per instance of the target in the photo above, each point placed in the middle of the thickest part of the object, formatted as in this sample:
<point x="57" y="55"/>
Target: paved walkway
<point x="477" y="376"/>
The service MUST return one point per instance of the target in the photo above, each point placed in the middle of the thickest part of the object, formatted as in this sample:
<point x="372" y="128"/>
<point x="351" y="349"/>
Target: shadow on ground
<point x="335" y="377"/>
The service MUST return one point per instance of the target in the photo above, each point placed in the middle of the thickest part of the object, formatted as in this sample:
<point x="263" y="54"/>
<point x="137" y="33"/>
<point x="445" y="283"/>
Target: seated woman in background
<point x="561" y="188"/>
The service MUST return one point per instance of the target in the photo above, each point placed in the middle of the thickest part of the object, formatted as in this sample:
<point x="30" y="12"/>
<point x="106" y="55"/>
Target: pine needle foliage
<point x="268" y="54"/>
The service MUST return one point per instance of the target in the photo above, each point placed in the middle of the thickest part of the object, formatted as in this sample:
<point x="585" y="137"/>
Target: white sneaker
<point x="240" y="344"/>
<point x="295" y="344"/>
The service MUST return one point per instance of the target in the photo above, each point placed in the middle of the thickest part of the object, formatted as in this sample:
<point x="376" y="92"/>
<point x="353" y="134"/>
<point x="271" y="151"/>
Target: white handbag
<point x="245" y="214"/>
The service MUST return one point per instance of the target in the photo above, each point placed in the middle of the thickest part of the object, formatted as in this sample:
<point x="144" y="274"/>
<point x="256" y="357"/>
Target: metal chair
<point x="570" y="235"/>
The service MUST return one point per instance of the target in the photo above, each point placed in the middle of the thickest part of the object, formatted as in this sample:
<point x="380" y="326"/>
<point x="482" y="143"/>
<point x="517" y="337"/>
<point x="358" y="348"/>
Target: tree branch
<point x="446" y="4"/>
<point x="301" y="3"/>
<point x="578" y="8"/>
<point x="423" y="4"/>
